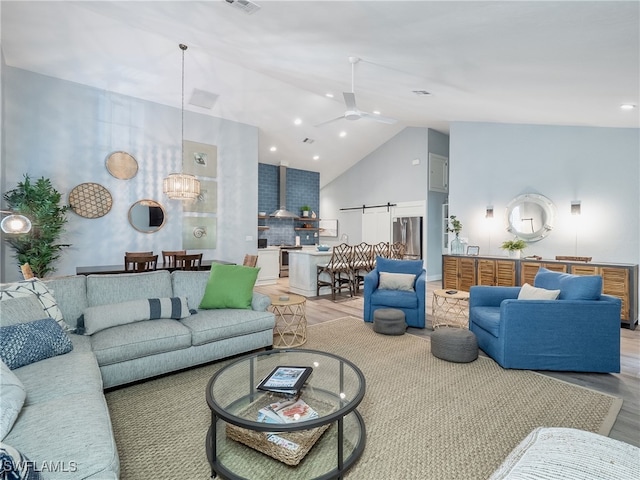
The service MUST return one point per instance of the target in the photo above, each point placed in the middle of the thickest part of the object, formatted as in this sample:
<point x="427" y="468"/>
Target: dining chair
<point x="140" y="263"/>
<point x="250" y="260"/>
<point x="169" y="257"/>
<point x="137" y="253"/>
<point x="361" y="264"/>
<point x="338" y="270"/>
<point x="191" y="261"/>
<point x="379" y="250"/>
<point x="397" y="250"/>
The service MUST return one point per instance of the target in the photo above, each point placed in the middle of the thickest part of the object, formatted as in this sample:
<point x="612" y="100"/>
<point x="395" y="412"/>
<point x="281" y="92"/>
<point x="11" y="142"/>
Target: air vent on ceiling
<point x="202" y="98"/>
<point x="245" y="5"/>
<point x="422" y="93"/>
<point x="308" y="140"/>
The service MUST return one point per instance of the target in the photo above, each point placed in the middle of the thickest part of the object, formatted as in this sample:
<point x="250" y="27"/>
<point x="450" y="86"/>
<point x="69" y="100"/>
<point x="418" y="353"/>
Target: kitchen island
<point x="303" y="278"/>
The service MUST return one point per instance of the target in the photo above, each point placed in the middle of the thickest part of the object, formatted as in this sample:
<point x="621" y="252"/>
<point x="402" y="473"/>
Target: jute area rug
<point x="426" y="418"/>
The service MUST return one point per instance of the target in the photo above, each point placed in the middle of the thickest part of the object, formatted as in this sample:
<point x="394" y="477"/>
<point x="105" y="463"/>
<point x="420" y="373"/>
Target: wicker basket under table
<point x="258" y="440"/>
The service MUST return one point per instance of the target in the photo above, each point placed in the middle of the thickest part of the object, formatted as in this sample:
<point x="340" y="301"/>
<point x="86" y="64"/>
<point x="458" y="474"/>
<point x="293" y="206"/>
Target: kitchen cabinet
<point x="460" y="272"/>
<point x="269" y="264"/>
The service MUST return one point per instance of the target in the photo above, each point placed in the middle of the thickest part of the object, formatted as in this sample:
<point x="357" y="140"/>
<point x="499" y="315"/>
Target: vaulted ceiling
<point x="540" y="62"/>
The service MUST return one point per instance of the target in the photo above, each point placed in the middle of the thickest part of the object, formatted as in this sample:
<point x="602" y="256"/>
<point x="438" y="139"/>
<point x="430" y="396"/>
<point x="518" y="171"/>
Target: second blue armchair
<point x="406" y="291"/>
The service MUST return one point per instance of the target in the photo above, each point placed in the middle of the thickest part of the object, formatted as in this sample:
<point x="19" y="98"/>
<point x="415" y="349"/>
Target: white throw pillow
<point x="527" y="292"/>
<point x="111" y="315"/>
<point x="12" y="396"/>
<point x="397" y="281"/>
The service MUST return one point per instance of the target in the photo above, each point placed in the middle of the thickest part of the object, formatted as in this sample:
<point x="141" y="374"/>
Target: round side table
<point x="291" y="320"/>
<point x="450" y="309"/>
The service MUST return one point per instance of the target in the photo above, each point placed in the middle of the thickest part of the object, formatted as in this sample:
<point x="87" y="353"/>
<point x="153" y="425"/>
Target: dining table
<point x="111" y="269"/>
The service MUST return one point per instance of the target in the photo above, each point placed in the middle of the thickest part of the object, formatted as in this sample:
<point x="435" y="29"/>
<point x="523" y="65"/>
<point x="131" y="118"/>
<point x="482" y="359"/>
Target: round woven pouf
<point x="389" y="321"/>
<point x="454" y="344"/>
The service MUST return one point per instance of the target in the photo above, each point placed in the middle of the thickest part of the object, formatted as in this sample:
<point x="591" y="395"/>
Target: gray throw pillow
<point x="20" y="310"/>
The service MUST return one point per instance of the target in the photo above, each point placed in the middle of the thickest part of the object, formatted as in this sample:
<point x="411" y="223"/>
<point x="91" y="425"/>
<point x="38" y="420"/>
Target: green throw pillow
<point x="229" y="286"/>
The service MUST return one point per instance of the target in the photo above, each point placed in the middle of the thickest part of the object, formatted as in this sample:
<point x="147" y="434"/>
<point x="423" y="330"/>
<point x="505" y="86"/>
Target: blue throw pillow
<point x="15" y="466"/>
<point x="31" y="342"/>
<point x="391" y="265"/>
<point x="572" y="287"/>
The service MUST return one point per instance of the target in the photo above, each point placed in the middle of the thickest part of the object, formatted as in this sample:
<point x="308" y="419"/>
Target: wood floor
<point x="625" y="384"/>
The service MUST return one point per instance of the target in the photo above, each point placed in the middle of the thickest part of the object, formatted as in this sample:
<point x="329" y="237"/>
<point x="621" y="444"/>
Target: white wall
<point x="65" y="131"/>
<point x="493" y="163"/>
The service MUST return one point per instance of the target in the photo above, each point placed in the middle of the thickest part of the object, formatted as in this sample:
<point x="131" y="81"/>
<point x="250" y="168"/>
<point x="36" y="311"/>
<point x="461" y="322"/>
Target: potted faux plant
<point x="457" y="248"/>
<point x="40" y="202"/>
<point x="513" y="247"/>
<point x="305" y="209"/>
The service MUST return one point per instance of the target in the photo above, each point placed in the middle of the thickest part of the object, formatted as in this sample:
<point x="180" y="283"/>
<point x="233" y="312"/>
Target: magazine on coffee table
<point x="285" y="379"/>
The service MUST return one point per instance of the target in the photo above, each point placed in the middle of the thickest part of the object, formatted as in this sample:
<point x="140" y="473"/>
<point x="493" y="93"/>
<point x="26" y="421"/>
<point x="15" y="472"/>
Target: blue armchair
<point x="411" y="301"/>
<point x="579" y="331"/>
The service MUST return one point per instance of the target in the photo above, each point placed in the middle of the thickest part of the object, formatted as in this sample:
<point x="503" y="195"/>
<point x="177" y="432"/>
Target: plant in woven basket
<point x="40" y="202"/>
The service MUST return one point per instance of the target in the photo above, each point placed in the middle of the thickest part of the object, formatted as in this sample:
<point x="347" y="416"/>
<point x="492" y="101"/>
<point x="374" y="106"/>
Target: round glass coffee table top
<point x="324" y="446"/>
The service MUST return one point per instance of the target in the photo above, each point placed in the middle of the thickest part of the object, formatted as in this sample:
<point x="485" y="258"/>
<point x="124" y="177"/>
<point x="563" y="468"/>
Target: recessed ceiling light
<point x="343" y="134"/>
<point x="376" y="112"/>
<point x="316" y="157"/>
<point x="627" y="106"/>
<point x="330" y="95"/>
<point x="297" y="121"/>
<point x="273" y="149"/>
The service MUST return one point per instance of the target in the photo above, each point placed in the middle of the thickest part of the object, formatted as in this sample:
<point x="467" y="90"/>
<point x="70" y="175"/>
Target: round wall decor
<point x="122" y="165"/>
<point x="90" y="200"/>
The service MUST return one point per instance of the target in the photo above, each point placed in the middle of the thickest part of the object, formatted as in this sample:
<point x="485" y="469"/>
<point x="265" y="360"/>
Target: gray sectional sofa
<point x="64" y="423"/>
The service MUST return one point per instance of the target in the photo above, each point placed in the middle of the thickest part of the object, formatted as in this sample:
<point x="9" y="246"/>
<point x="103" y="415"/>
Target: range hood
<point x="282" y="212"/>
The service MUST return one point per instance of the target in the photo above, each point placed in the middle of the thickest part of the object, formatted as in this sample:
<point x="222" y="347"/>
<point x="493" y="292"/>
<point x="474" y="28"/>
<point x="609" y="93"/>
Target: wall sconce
<point x="489" y="212"/>
<point x="575" y="207"/>
<point x="14" y="223"/>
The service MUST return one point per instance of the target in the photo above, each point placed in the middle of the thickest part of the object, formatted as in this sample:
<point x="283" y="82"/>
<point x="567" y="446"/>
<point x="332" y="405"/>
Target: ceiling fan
<point x="353" y="113"/>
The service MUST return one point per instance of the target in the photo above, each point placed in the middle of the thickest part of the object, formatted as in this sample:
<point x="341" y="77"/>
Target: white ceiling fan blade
<point x="378" y="118"/>
<point x="330" y="121"/>
<point x="350" y="100"/>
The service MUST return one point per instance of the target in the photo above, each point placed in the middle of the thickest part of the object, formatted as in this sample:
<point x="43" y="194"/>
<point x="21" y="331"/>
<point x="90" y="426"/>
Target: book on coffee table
<point x="285" y="379"/>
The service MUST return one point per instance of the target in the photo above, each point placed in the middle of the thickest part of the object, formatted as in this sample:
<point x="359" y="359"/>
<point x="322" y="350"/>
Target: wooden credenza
<point x="460" y="272"/>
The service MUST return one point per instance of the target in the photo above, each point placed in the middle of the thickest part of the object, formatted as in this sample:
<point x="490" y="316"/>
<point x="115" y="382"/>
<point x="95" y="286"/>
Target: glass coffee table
<point x="322" y="447"/>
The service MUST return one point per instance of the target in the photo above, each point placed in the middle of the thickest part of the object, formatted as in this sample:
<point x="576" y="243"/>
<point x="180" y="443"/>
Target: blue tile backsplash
<point x="303" y="188"/>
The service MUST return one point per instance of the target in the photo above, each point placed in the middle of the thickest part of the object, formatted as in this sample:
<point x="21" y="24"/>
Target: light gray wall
<point x="493" y="163"/>
<point x="385" y="175"/>
<point x="388" y="175"/>
<point x="65" y="131"/>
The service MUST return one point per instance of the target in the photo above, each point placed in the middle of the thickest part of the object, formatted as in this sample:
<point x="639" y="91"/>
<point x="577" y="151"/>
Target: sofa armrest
<point x="486" y="296"/>
<point x="260" y="302"/>
<point x="371" y="281"/>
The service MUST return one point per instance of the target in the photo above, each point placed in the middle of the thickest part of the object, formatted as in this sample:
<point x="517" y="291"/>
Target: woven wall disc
<point x="90" y="200"/>
<point x="122" y="165"/>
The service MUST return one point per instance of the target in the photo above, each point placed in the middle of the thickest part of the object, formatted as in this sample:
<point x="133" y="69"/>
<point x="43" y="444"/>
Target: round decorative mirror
<point x="530" y="217"/>
<point x="122" y="165"/>
<point x="147" y="216"/>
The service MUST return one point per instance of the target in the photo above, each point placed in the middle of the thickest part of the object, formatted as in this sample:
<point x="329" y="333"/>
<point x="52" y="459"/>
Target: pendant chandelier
<point x="181" y="186"/>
